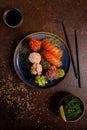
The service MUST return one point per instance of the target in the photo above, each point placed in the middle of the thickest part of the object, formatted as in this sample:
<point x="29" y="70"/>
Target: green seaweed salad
<point x="73" y="107"/>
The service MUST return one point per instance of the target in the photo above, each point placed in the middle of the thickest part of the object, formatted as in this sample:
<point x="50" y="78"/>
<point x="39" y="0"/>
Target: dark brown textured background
<point x="45" y="15"/>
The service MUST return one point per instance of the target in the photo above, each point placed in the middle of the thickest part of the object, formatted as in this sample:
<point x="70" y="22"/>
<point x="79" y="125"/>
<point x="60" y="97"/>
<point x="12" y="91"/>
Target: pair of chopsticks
<point x="76" y="71"/>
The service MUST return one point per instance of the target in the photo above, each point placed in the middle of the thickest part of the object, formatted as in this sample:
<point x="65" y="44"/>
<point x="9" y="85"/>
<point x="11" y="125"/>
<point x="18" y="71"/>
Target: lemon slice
<point x="62" y="112"/>
<point x="61" y="73"/>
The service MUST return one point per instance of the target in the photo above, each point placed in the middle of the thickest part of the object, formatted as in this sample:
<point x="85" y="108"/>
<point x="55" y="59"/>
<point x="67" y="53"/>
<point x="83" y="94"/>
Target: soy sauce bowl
<point x="71" y="108"/>
<point x="13" y="17"/>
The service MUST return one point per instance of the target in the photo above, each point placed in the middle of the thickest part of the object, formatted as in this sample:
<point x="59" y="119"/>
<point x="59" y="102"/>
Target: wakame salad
<point x="71" y="108"/>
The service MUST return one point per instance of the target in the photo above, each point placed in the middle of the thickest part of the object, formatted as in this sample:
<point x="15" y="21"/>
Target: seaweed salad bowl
<point x="71" y="108"/>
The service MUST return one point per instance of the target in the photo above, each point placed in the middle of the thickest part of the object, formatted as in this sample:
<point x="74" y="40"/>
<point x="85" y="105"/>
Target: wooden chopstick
<point x="77" y="58"/>
<point x="69" y="46"/>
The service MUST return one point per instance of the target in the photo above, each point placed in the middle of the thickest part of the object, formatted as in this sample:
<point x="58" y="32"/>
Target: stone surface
<point x="23" y="107"/>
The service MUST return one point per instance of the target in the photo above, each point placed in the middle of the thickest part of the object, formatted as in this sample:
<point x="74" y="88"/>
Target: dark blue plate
<point x="22" y="64"/>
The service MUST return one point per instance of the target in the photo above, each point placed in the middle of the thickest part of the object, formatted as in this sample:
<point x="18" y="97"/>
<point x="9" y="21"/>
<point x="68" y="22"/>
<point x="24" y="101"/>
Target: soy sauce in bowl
<point x="13" y="17"/>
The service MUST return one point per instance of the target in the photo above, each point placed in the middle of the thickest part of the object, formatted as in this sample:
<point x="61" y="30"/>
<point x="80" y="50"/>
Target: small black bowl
<point x="13" y="17"/>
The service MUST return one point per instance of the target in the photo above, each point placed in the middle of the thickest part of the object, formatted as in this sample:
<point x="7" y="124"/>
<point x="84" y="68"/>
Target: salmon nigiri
<point x="51" y="58"/>
<point x="34" y="44"/>
<point x="46" y="44"/>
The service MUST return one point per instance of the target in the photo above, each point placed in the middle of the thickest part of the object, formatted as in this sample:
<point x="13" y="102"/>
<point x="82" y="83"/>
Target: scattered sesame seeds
<point x="18" y="100"/>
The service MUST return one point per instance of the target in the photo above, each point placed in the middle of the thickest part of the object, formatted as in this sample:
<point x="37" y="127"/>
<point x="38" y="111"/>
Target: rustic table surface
<point x="24" y="107"/>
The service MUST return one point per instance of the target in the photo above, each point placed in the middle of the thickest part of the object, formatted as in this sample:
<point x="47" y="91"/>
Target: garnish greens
<point x="55" y="42"/>
<point x="44" y="63"/>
